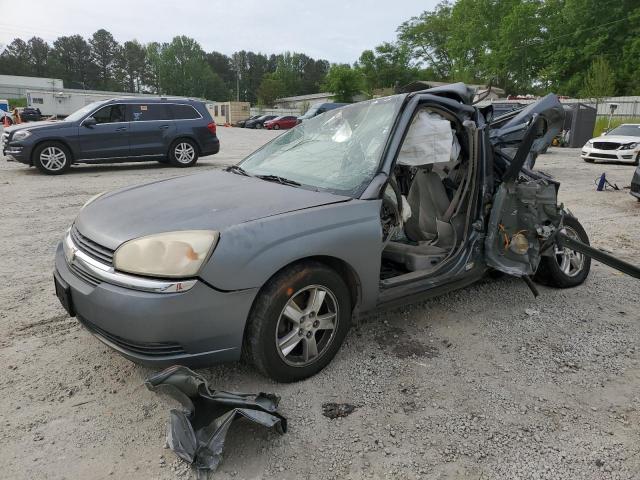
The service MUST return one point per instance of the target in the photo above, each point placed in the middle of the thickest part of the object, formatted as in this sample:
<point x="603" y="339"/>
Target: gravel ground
<point x="483" y="383"/>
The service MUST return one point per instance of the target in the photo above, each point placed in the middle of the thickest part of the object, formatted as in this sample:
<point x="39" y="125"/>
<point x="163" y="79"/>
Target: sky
<point x="335" y="30"/>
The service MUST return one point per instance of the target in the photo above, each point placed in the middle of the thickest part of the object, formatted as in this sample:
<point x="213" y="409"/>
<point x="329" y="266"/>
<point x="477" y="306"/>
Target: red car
<point x="281" y="122"/>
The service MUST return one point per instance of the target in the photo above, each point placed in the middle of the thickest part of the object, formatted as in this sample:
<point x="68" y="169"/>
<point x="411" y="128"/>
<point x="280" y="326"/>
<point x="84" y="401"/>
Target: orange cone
<point x="5" y="121"/>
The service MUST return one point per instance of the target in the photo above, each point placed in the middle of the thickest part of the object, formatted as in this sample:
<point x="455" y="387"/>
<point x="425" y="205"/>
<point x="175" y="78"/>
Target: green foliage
<point x="270" y="89"/>
<point x="599" y="82"/>
<point x="17" y="102"/>
<point x="344" y="82"/>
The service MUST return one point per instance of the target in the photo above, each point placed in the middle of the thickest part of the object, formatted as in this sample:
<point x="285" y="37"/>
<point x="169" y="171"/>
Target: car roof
<point x="153" y="100"/>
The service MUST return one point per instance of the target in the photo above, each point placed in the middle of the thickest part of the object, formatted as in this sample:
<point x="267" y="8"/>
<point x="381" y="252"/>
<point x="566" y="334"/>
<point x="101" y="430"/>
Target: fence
<point x="628" y="107"/>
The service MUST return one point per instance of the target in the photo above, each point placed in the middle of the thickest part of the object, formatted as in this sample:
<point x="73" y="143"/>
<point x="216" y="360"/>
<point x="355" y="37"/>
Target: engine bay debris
<point x="197" y="432"/>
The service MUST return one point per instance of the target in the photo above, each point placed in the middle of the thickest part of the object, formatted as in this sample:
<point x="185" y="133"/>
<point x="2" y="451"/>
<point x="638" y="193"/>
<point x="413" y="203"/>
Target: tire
<point x="52" y="158"/>
<point x="550" y="271"/>
<point x="268" y="325"/>
<point x="183" y="153"/>
<point x="258" y="126"/>
<point x="276" y="127"/>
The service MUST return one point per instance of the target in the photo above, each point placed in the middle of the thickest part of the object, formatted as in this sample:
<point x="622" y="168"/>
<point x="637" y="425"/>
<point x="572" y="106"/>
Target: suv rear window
<point x="149" y="111"/>
<point x="184" y="112"/>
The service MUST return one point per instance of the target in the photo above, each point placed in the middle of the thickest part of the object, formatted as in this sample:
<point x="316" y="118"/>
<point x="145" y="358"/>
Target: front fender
<point x="250" y="253"/>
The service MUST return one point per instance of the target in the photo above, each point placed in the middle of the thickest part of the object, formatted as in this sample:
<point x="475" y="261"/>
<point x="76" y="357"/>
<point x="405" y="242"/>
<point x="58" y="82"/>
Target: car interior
<point x="425" y="204"/>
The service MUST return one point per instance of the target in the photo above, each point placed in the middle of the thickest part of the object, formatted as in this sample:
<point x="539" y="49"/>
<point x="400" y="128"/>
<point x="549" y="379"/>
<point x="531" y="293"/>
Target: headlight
<point x="171" y="254"/>
<point x="629" y="146"/>
<point x="92" y="199"/>
<point x="589" y="142"/>
<point x="21" y="135"/>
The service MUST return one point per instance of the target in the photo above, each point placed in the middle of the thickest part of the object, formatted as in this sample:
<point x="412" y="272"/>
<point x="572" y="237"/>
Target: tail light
<point x="212" y="127"/>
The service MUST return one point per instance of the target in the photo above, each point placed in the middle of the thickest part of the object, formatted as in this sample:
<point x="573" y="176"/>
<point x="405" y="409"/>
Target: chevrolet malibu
<point x="620" y="144"/>
<point x="369" y="205"/>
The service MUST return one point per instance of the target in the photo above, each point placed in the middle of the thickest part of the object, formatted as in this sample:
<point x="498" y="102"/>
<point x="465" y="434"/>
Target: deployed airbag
<point x="197" y="432"/>
<point x="429" y="140"/>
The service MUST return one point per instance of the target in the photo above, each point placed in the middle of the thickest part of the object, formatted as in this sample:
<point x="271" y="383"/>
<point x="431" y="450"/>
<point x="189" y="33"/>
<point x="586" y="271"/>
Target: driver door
<point x="109" y="137"/>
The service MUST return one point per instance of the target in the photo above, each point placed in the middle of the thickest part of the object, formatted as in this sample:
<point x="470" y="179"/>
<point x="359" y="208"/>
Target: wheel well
<point x="61" y="142"/>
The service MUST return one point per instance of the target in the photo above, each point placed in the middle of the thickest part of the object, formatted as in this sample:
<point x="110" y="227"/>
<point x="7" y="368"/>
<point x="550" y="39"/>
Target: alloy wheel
<point x="570" y="262"/>
<point x="53" y="159"/>
<point x="184" y="152"/>
<point x="307" y="325"/>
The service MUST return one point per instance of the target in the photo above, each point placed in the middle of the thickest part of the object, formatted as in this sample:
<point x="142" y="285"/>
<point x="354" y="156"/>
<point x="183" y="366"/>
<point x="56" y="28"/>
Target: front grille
<point x="86" y="276"/>
<point x="603" y="155"/>
<point x="606" y="145"/>
<point x="91" y="248"/>
<point x="151" y="349"/>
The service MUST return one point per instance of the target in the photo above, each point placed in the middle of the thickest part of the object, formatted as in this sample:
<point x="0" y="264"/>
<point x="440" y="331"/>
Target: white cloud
<point x="332" y="29"/>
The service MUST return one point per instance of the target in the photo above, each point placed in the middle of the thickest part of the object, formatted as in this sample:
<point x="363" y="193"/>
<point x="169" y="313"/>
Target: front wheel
<point x="298" y="322"/>
<point x="183" y="153"/>
<point x="276" y="127"/>
<point x="565" y="268"/>
<point x="52" y="158"/>
<point x="258" y="126"/>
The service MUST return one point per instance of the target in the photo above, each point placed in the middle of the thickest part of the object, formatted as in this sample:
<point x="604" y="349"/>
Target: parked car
<point x="621" y="144"/>
<point x="376" y="204"/>
<point x="242" y="123"/>
<point x="259" y="122"/>
<point x="30" y="114"/>
<point x="175" y="131"/>
<point x="635" y="184"/>
<point x="319" y="108"/>
<point x="281" y="123"/>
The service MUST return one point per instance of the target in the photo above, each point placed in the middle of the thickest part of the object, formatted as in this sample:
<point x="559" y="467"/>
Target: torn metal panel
<point x="197" y="432"/>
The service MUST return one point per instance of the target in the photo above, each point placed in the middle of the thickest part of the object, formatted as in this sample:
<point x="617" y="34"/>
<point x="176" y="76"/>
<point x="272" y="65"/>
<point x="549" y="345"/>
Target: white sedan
<point x="620" y="144"/>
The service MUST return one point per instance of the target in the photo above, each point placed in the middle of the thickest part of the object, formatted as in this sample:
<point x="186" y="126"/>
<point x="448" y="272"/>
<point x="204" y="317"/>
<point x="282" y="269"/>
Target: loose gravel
<point x="482" y="383"/>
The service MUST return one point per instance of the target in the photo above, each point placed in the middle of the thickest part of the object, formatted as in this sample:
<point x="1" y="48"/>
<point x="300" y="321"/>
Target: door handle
<point x="164" y="127"/>
<point x="121" y="129"/>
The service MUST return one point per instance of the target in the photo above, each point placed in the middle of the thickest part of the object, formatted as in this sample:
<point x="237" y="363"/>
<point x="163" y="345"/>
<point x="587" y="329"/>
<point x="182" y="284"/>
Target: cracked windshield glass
<point x="338" y="151"/>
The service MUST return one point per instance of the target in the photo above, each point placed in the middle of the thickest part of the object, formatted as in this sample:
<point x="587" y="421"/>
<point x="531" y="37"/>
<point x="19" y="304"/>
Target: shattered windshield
<point x="338" y="151"/>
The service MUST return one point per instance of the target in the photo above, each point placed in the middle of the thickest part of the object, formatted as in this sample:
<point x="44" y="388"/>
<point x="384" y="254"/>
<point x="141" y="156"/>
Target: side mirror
<point x="89" y="122"/>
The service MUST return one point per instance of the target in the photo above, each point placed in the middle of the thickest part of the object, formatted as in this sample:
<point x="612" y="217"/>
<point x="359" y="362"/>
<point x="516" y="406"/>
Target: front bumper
<point x="594" y="154"/>
<point x="17" y="152"/>
<point x="197" y="327"/>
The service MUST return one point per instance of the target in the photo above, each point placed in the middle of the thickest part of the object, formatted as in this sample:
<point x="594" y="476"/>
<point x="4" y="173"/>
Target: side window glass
<point x="150" y="111"/>
<point x="184" y="112"/>
<point x="110" y="114"/>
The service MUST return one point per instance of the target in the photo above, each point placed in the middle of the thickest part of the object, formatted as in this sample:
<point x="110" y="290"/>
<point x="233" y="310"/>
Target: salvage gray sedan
<point x="371" y="204"/>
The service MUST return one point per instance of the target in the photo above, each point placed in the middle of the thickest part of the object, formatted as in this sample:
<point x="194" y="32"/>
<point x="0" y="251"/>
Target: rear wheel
<point x="298" y="322"/>
<point x="276" y="127"/>
<point x="52" y="158"/>
<point x="183" y="153"/>
<point x="566" y="268"/>
<point x="258" y="126"/>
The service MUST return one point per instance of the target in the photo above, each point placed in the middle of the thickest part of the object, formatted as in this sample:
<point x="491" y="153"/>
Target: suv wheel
<point x="566" y="268"/>
<point x="183" y="153"/>
<point x="52" y="158"/>
<point x="298" y="322"/>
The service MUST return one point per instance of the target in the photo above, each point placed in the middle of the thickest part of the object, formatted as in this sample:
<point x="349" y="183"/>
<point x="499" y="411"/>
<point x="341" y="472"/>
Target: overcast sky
<point x="337" y="30"/>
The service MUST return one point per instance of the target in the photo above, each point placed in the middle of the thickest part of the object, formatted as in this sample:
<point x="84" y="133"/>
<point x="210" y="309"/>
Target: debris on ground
<point x="335" y="410"/>
<point x="197" y="432"/>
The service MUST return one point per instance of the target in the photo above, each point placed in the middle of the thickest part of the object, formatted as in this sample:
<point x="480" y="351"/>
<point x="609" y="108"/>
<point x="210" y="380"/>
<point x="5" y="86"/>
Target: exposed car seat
<point x="429" y="201"/>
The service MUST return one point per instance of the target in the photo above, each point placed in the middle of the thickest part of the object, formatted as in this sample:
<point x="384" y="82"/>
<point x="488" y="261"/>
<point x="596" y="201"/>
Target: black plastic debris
<point x="335" y="410"/>
<point x="197" y="432"/>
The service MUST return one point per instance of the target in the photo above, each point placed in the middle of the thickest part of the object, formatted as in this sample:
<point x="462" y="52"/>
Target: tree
<point x="389" y="65"/>
<point x="270" y="89"/>
<point x="599" y="82"/>
<point x="15" y="58"/>
<point x="344" y="82"/>
<point x="39" y="56"/>
<point x="104" y="50"/>
<point x="131" y="63"/>
<point x="72" y="56"/>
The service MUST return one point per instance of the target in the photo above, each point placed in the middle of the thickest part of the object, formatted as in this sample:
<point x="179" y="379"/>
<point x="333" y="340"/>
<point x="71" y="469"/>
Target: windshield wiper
<point x="282" y="180"/>
<point x="239" y="170"/>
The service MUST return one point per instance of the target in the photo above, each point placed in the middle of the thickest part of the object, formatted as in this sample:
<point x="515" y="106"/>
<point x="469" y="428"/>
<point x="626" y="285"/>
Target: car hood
<point x="207" y="201"/>
<point x="33" y="126"/>
<point x="616" y="139"/>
